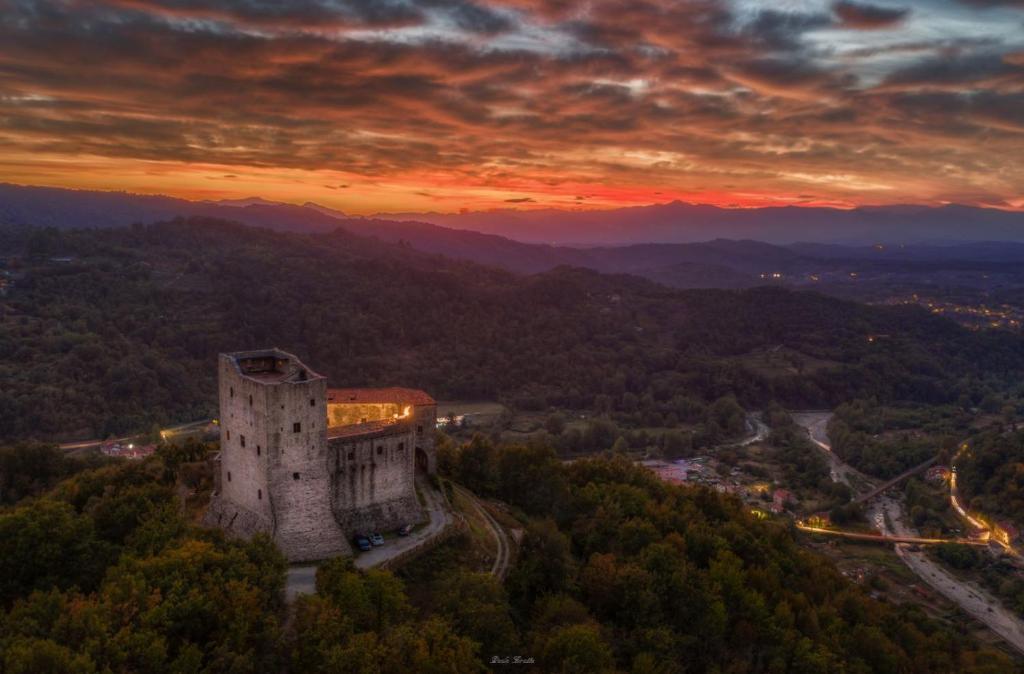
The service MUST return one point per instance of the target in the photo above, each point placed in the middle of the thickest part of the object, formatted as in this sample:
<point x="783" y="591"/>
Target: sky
<point x="447" y="105"/>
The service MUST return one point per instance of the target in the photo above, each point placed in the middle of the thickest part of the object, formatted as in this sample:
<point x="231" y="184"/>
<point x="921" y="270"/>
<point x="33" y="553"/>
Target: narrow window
<point x="241" y="438"/>
<point x="231" y="390"/>
<point x="312" y="402"/>
<point x="250" y="400"/>
<point x="295" y="476"/>
<point x="380" y="450"/>
<point x="296" y="427"/>
<point x="401" y="446"/>
<point x="419" y="430"/>
<point x="229" y="435"/>
<point x="259" y="494"/>
<point x="257" y="450"/>
<point x="229" y="476"/>
<point x="351" y="456"/>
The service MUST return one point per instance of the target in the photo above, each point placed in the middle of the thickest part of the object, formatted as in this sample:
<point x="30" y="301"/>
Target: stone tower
<point x="274" y="471"/>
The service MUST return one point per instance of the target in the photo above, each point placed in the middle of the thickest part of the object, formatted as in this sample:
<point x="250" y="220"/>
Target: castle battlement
<point x="312" y="466"/>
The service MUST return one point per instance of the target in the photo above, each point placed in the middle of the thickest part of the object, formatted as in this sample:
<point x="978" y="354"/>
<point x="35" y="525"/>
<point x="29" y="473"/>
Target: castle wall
<point x="262" y="451"/>
<point x="243" y="482"/>
<point x="425" y="424"/>
<point x="280" y="474"/>
<point x="374" y="480"/>
<point x="297" y="472"/>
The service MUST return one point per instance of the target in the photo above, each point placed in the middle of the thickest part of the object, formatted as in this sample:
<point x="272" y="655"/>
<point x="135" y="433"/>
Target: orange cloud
<point x="450" y="104"/>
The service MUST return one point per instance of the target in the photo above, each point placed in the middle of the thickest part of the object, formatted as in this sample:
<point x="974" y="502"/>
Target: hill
<point x="716" y="263"/>
<point x="679" y="222"/>
<point x="112" y="330"/>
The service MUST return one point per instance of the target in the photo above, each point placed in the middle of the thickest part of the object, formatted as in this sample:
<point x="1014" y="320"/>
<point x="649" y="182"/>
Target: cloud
<point x="521" y="200"/>
<point x="620" y="100"/>
<point x="868" y="17"/>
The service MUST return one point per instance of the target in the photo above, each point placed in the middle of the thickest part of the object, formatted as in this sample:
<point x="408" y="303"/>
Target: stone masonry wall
<point x="374" y="480"/>
<point x="297" y="472"/>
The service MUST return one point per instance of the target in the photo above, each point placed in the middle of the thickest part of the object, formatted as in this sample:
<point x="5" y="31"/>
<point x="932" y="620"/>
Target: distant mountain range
<point x="718" y="263"/>
<point x="679" y="222"/>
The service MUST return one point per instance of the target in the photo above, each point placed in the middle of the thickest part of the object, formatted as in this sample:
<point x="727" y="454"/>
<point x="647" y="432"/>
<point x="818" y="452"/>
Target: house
<point x="780" y="499"/>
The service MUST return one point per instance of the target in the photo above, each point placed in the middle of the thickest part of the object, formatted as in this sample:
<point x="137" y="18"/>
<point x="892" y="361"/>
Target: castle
<point x="311" y="466"/>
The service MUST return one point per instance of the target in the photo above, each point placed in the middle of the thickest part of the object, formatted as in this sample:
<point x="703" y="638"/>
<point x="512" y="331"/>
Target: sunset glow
<point x="398" y="105"/>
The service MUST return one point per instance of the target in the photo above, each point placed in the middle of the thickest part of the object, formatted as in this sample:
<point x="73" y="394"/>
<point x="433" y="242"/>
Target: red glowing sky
<point x="397" y="105"/>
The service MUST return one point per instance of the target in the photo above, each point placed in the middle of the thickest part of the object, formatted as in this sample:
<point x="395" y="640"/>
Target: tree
<point x="555" y="423"/>
<point x="476" y="606"/>
<point x="575" y="649"/>
<point x="545" y="565"/>
<point x="373" y="600"/>
<point x="46" y="544"/>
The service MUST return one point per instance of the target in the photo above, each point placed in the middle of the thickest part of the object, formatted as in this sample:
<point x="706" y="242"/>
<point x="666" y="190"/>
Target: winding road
<point x="504" y="555"/>
<point x="301" y="579"/>
<point x="889" y="517"/>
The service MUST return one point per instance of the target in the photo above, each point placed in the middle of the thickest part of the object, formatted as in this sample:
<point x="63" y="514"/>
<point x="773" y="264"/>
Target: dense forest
<point x="885" y="440"/>
<point x="990" y="475"/>
<point x="112" y="331"/>
<point x="617" y="572"/>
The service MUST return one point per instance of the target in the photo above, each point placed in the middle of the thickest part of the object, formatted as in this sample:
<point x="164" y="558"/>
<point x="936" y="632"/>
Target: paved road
<point x="301" y="579"/>
<point x="888" y="514"/>
<point x="888" y="539"/>
<point x="167" y="433"/>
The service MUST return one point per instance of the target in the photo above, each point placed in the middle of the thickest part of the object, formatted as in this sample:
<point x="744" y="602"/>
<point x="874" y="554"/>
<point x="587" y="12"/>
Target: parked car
<point x="362" y="542"/>
<point x="376" y="539"/>
<point x="405" y="530"/>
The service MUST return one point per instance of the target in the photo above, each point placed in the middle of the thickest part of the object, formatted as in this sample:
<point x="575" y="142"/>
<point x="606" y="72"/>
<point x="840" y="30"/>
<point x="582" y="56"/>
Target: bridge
<point x="879" y="538"/>
<point x="896" y="480"/>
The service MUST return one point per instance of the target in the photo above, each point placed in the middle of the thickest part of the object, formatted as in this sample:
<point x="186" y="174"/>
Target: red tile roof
<point x="395" y="394"/>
